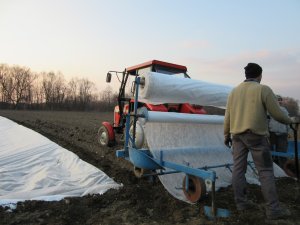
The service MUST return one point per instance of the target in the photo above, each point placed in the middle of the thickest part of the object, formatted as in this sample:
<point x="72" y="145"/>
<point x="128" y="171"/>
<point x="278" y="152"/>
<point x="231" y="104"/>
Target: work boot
<point x="246" y="206"/>
<point x="278" y="214"/>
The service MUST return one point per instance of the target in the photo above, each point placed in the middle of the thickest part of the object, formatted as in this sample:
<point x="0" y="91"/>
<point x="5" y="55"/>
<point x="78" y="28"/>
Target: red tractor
<point x="106" y="133"/>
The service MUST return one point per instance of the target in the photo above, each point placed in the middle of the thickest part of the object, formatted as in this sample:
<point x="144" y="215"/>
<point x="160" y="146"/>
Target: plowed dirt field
<point x="139" y="201"/>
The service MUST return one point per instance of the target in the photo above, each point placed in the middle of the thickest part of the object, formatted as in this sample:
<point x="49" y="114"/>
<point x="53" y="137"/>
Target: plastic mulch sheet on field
<point x="34" y="168"/>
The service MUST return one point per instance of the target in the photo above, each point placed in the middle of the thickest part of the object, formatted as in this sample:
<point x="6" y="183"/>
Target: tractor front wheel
<point x="103" y="137"/>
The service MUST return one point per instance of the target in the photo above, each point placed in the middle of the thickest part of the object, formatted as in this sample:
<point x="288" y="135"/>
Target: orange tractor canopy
<point x="106" y="133"/>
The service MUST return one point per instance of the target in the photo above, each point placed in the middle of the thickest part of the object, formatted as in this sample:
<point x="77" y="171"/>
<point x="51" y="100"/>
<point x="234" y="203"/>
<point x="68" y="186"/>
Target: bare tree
<point x="24" y="79"/>
<point x="85" y="92"/>
<point x="54" y="89"/>
<point x="16" y="84"/>
<point x="106" y="95"/>
<point x="38" y="96"/>
<point x="59" y="89"/>
<point x="6" y="83"/>
<point x="48" y="83"/>
<point x="72" y="97"/>
<point x="108" y="99"/>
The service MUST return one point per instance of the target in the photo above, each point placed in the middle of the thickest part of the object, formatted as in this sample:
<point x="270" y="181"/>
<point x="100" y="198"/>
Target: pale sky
<point x="215" y="39"/>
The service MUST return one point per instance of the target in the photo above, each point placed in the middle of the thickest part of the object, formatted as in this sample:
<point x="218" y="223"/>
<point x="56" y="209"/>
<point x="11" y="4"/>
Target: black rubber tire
<point x="138" y="172"/>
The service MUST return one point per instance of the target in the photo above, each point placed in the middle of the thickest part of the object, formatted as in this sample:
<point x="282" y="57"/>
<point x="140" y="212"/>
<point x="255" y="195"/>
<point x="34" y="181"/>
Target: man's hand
<point x="228" y="141"/>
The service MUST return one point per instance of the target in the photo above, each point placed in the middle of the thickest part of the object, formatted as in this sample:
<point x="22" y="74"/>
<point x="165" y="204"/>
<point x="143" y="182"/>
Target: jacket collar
<point x="251" y="79"/>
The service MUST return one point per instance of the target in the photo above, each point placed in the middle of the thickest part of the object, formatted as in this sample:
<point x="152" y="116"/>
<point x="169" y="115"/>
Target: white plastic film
<point x="197" y="145"/>
<point x="173" y="117"/>
<point x="162" y="88"/>
<point x="34" y="168"/>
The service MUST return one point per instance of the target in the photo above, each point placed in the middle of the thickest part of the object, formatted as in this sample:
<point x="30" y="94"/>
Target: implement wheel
<point x="138" y="172"/>
<point x="196" y="188"/>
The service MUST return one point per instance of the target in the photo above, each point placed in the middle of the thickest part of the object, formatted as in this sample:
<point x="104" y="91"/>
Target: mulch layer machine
<point x="196" y="179"/>
<point x="127" y="116"/>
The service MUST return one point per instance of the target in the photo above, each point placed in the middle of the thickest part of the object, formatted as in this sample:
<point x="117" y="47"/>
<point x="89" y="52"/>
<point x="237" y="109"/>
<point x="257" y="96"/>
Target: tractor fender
<point x="110" y="130"/>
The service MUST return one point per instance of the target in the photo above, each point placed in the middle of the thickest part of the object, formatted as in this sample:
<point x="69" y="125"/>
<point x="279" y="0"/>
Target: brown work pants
<point x="260" y="149"/>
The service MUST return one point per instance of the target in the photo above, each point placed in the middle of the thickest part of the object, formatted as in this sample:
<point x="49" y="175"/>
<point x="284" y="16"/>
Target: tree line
<point x="21" y="88"/>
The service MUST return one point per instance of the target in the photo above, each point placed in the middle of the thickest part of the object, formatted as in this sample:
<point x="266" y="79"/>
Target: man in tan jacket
<point x="246" y="121"/>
